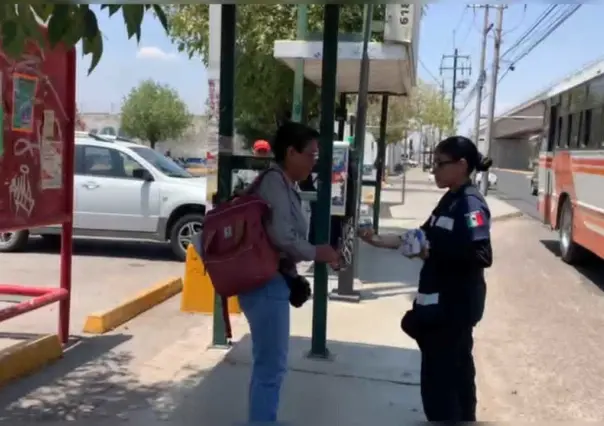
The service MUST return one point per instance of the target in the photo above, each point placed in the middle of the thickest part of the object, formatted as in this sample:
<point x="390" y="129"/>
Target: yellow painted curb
<point x="368" y="198"/>
<point x="28" y="357"/>
<point x="102" y="322"/>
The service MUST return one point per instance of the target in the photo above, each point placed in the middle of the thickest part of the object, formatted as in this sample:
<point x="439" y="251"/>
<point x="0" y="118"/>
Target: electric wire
<point x="551" y="26"/>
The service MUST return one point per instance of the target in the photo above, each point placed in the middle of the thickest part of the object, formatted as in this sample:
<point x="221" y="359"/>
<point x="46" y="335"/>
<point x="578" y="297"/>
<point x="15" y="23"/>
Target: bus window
<point x="559" y="132"/>
<point x="552" y="129"/>
<point x="573" y="131"/>
<point x="563" y="140"/>
<point x="585" y="129"/>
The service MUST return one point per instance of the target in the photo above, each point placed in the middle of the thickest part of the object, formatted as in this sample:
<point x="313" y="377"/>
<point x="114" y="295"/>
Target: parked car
<point x="124" y="190"/>
<point x="492" y="179"/>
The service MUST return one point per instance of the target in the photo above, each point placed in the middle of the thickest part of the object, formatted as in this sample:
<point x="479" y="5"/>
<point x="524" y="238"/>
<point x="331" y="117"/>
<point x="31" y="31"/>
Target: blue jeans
<point x="267" y="312"/>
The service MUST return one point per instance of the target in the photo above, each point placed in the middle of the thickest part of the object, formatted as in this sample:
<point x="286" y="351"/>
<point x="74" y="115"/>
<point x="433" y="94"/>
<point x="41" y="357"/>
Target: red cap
<point x="261" y="146"/>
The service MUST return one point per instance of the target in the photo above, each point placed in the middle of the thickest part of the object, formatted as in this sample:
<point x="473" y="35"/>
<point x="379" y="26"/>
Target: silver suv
<point x="128" y="191"/>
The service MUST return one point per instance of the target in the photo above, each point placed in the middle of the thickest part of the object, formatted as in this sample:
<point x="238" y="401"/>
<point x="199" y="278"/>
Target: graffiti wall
<point x="37" y="111"/>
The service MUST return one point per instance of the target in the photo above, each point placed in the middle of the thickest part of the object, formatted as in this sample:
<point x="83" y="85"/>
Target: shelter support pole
<point x="225" y="138"/>
<point x="381" y="161"/>
<point x="323" y="212"/>
<point x="346" y="277"/>
<point x="67" y="227"/>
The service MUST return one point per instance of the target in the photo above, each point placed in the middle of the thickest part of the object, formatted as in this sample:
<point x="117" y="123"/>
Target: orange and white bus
<point x="571" y="165"/>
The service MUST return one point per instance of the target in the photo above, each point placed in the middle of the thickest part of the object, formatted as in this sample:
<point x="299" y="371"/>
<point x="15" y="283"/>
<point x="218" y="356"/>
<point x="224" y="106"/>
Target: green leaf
<point x="28" y="23"/>
<point x="113" y="8"/>
<point x="91" y="26"/>
<point x="161" y="15"/>
<point x="42" y="10"/>
<point x="76" y="29"/>
<point x="133" y="16"/>
<point x="9" y="32"/>
<point x="94" y="47"/>
<point x="58" y="23"/>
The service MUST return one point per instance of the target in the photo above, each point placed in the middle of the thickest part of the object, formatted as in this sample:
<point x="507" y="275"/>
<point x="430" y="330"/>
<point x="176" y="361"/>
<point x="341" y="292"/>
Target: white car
<point x="123" y="190"/>
<point x="492" y="179"/>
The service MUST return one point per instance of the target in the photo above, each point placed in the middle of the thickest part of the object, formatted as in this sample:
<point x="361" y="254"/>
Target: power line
<point x="432" y="76"/>
<point x="552" y="26"/>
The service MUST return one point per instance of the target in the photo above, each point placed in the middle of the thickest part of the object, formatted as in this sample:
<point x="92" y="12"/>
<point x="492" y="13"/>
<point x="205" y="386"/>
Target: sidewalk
<point x="158" y="371"/>
<point x="421" y="196"/>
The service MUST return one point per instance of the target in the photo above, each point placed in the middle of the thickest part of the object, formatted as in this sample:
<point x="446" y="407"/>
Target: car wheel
<point x="570" y="252"/>
<point x="13" y="241"/>
<point x="183" y="232"/>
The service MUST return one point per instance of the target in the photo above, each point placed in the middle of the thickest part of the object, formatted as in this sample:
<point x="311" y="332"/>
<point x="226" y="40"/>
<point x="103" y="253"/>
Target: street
<point x="514" y="188"/>
<point x="540" y="347"/>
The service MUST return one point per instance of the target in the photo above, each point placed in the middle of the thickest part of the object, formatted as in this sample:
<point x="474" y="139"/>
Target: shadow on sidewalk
<point x="361" y="384"/>
<point x="88" y="367"/>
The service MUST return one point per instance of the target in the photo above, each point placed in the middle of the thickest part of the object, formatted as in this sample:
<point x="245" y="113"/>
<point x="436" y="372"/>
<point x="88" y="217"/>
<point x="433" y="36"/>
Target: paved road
<point x="514" y="189"/>
<point x="540" y="347"/>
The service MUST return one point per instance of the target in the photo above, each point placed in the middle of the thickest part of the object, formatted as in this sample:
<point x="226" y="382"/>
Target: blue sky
<point x="575" y="43"/>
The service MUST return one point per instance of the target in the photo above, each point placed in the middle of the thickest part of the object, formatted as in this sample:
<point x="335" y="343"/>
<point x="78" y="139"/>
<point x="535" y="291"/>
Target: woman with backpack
<point x="266" y="309"/>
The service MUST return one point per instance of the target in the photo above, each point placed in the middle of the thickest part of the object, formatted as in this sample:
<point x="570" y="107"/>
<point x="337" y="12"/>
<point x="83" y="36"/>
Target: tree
<point x="68" y="24"/>
<point x="263" y="85"/>
<point x="154" y="113"/>
<point x="424" y="107"/>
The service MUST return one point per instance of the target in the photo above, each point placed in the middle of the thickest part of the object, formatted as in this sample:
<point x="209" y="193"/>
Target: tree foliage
<point x="154" y="113"/>
<point x="263" y="85"/>
<point x="426" y="106"/>
<point x="68" y="24"/>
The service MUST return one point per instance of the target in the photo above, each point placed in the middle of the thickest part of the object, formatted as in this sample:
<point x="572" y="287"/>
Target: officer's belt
<point x="427" y="299"/>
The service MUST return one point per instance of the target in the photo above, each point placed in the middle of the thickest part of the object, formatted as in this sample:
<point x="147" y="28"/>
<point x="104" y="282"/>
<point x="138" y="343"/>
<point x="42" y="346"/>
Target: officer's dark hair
<point x="460" y="147"/>
<point x="291" y="134"/>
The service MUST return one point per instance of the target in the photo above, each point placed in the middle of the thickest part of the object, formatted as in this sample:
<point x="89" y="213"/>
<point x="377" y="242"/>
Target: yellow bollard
<point x="197" y="290"/>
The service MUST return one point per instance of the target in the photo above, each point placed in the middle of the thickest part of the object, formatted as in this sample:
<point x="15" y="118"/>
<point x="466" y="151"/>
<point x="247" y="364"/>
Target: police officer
<point x="452" y="289"/>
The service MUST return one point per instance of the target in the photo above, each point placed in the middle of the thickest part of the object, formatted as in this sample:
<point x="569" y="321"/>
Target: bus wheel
<point x="570" y="252"/>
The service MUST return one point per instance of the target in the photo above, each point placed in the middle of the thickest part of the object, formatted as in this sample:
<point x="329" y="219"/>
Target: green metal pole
<point x="328" y="96"/>
<point x="381" y="157"/>
<point x="302" y="27"/>
<point x="226" y="132"/>
<point x="346" y="277"/>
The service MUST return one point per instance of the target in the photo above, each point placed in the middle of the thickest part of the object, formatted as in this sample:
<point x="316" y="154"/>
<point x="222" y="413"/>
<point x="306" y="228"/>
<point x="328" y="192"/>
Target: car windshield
<point x="162" y="163"/>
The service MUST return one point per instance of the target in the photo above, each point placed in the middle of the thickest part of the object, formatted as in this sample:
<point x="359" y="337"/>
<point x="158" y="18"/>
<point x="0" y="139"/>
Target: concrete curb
<point x="507" y="216"/>
<point x="102" y="322"/>
<point x="28" y="357"/>
<point x="519" y="172"/>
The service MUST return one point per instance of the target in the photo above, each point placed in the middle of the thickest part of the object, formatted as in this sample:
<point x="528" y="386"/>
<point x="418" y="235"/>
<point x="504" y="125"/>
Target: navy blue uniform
<point x="450" y="301"/>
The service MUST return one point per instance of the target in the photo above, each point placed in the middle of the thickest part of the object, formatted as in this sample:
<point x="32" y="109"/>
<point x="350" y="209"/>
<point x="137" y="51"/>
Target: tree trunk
<point x="152" y="144"/>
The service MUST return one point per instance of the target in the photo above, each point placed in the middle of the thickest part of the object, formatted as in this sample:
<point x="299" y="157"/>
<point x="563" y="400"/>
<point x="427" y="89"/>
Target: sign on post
<point x="399" y="23"/>
<point x="37" y="99"/>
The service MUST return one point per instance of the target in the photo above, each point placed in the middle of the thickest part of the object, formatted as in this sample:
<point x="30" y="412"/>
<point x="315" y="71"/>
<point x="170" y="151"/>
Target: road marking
<point x="520" y="172"/>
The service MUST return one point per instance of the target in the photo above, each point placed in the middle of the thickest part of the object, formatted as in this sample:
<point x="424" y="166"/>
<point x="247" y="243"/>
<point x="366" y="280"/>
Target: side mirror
<point x="142" y="174"/>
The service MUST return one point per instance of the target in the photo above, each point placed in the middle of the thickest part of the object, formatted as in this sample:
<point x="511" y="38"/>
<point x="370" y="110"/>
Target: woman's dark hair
<point x="291" y="134"/>
<point x="459" y="147"/>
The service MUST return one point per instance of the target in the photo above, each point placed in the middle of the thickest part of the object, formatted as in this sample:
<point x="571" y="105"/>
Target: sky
<point x="126" y="63"/>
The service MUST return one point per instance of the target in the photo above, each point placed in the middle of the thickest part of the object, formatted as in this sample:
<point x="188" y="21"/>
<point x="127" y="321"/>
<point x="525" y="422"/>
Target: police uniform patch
<point x="475" y="219"/>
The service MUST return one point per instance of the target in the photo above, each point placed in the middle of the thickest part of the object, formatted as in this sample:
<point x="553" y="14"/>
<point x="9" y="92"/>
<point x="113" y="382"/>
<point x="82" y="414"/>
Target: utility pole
<point x="482" y="72"/>
<point x="484" y="183"/>
<point x="461" y="65"/>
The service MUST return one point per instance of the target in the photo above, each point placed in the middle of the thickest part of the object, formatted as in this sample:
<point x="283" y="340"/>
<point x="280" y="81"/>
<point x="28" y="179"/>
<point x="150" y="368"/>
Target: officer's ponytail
<point x="483" y="163"/>
<point x="460" y="147"/>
